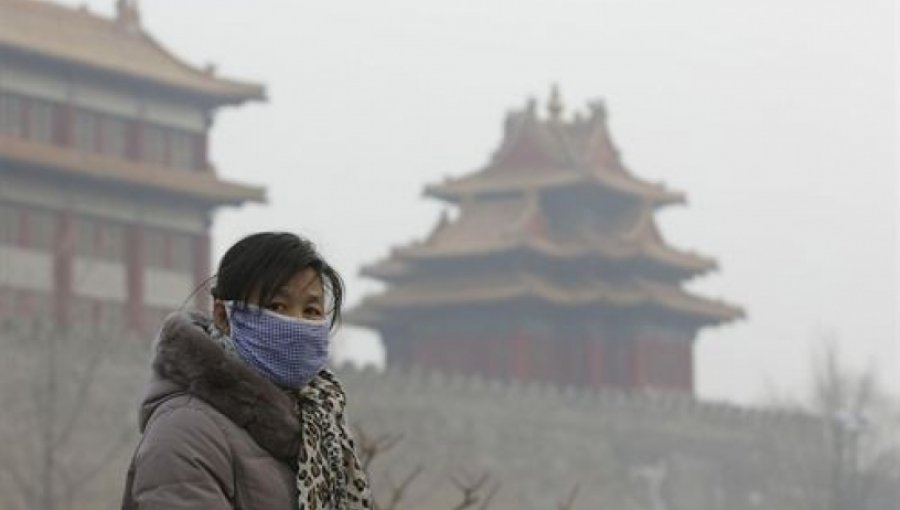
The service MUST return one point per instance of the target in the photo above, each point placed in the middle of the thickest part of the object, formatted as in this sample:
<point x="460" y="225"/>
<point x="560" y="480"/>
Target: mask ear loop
<point x="204" y="284"/>
<point x="229" y="305"/>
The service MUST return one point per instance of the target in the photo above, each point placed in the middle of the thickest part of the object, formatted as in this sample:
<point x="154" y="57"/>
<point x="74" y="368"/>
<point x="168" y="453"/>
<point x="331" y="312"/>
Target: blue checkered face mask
<point x="287" y="351"/>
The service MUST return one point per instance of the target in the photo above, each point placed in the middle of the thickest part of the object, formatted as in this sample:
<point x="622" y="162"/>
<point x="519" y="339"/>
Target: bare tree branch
<point x="28" y="491"/>
<point x="495" y="488"/>
<point x="469" y="489"/>
<point x="569" y="502"/>
<point x="85" y="480"/>
<point x="399" y="492"/>
<point x="371" y="448"/>
<point x="85" y="382"/>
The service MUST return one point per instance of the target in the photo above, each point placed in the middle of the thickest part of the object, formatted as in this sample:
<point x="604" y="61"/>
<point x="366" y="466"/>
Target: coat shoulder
<point x="190" y="413"/>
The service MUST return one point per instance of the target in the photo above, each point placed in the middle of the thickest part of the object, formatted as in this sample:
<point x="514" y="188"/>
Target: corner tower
<point x="551" y="269"/>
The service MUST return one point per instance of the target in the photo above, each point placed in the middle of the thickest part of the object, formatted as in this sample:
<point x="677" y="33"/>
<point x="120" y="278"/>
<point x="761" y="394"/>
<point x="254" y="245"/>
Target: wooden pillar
<point x="202" y="151"/>
<point x="62" y="267"/>
<point x="25" y="302"/>
<point x="594" y="359"/>
<point x="424" y="352"/>
<point x="25" y="118"/>
<point x="687" y="366"/>
<point x="642" y="355"/>
<point x="134" y="260"/>
<point x="64" y="130"/>
<point x="24" y="238"/>
<point x="663" y="359"/>
<point x="395" y="341"/>
<point x="134" y="141"/>
<point x="520" y="355"/>
<point x="619" y="361"/>
<point x="498" y="357"/>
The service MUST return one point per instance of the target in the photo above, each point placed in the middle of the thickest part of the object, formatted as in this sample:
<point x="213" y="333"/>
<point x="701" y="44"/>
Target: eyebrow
<point x="312" y="294"/>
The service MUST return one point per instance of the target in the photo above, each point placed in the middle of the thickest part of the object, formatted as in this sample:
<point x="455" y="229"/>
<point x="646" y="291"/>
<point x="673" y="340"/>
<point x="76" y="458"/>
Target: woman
<point x="240" y="412"/>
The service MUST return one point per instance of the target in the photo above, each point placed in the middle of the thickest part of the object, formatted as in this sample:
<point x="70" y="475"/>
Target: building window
<point x="10" y="221"/>
<point x="180" y="253"/>
<point x="85" y="131"/>
<point x="84" y="237"/>
<point x="183" y="150"/>
<point x="155" y="145"/>
<point x="112" y="136"/>
<point x="11" y="108"/>
<point x="7" y="300"/>
<point x="154" y="248"/>
<point x="98" y="239"/>
<point x="168" y="250"/>
<point x="43" y="227"/>
<point x="110" y="242"/>
<point x="40" y="121"/>
<point x="31" y="228"/>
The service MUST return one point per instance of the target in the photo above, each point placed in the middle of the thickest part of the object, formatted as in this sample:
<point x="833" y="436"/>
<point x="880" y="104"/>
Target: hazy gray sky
<point x="777" y="117"/>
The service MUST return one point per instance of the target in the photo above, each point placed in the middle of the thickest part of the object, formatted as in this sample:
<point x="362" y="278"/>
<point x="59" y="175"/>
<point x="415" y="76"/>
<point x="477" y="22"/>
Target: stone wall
<point x="625" y="451"/>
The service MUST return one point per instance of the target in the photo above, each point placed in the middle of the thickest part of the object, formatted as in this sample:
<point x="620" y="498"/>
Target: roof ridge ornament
<point x="531" y="107"/>
<point x="598" y="109"/>
<point x="128" y="15"/>
<point x="554" y="103"/>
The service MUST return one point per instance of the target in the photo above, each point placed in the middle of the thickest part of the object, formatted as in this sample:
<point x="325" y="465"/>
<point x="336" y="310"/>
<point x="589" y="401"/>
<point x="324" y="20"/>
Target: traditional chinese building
<point x="106" y="188"/>
<point x="551" y="268"/>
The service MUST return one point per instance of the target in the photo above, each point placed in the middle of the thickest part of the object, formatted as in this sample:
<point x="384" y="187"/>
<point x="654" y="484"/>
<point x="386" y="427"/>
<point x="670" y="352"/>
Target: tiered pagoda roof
<point x="502" y="228"/>
<point x="118" y="50"/>
<point x="548" y="154"/>
<point x="203" y="187"/>
<point x="118" y="47"/>
<point x="510" y="211"/>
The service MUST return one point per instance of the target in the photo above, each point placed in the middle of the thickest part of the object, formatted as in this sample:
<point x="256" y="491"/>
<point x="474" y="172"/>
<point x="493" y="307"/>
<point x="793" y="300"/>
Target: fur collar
<point x="189" y="358"/>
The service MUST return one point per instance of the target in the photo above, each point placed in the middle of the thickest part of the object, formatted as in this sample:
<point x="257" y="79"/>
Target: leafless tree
<point x="476" y="492"/>
<point x="857" y="417"/>
<point x="68" y="399"/>
<point x="860" y="458"/>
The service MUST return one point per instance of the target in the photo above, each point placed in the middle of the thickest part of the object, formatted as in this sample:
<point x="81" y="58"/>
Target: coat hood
<point x="187" y="361"/>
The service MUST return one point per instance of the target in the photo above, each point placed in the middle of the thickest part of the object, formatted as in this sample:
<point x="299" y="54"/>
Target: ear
<point x="220" y="317"/>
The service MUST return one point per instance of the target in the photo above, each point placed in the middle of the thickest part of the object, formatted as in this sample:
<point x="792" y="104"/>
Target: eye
<point x="312" y="312"/>
<point x="277" y="307"/>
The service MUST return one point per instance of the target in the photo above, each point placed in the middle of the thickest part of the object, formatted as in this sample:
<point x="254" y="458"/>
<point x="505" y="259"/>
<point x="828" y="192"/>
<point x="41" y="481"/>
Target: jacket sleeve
<point x="184" y="462"/>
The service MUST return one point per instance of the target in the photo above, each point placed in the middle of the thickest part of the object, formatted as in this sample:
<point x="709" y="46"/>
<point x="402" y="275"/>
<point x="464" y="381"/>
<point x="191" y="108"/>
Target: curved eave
<point x="363" y="316"/>
<point x="671" y="259"/>
<point x="199" y="186"/>
<point x="704" y="310"/>
<point x="215" y="90"/>
<point x="386" y="270"/>
<point x="455" y="191"/>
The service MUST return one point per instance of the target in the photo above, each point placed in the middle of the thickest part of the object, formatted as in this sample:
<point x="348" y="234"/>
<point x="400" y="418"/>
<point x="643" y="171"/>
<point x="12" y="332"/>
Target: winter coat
<point x="215" y="435"/>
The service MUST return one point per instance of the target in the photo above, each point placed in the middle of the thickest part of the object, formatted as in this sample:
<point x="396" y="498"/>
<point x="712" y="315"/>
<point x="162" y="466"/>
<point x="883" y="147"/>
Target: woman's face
<point x="302" y="297"/>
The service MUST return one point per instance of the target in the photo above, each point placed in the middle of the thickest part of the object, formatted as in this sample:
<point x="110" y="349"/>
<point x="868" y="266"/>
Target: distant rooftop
<point x="117" y="45"/>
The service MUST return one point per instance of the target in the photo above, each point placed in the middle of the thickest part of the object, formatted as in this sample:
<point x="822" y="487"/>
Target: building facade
<point x="106" y="188"/>
<point x="551" y="268"/>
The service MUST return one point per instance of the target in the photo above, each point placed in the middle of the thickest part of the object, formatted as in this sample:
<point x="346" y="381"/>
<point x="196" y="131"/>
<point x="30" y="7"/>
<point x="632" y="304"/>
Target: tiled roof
<point x="515" y="287"/>
<point x="78" y="37"/>
<point x="503" y="226"/>
<point x="551" y="153"/>
<point x="558" y="189"/>
<point x="200" y="186"/>
<point x="547" y="178"/>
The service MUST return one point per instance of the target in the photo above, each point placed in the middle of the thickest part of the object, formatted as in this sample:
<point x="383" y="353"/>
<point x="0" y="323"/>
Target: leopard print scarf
<point x="329" y="475"/>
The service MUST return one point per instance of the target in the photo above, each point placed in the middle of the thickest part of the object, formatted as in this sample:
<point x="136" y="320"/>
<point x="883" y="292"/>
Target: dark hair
<point x="263" y="263"/>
